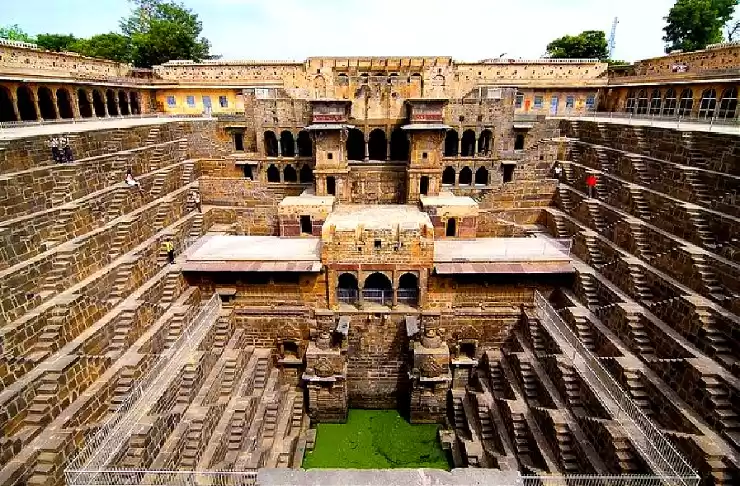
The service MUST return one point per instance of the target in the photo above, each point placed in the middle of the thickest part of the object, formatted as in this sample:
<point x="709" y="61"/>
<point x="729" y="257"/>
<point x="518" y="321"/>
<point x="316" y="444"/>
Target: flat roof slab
<point x="448" y="199"/>
<point x="220" y="253"/>
<point x="500" y="250"/>
<point x="404" y="216"/>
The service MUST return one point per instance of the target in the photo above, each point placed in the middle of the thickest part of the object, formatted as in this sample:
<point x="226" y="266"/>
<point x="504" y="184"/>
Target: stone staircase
<point x="496" y="376"/>
<point x="703" y="234"/>
<point x="637" y="391"/>
<point x="458" y="413"/>
<point x="63" y="261"/>
<point x="714" y="336"/>
<point x="182" y="149"/>
<point x="594" y="212"/>
<point x="640" y="283"/>
<point x="222" y="333"/>
<point x="157" y="189"/>
<point x="60" y="232"/>
<point x="709" y="280"/>
<point x="187" y="172"/>
<point x="572" y="385"/>
<point x="722" y="408"/>
<point x="529" y="381"/>
<point x="521" y="436"/>
<point x="153" y="137"/>
<point x="121" y="283"/>
<point x="114" y="208"/>
<point x="644" y="250"/>
<point x="269" y="425"/>
<point x="123" y="388"/>
<point x="568" y="452"/>
<point x="700" y="191"/>
<point x="64" y="177"/>
<point x="118" y="246"/>
<point x="50" y="338"/>
<point x="260" y="372"/>
<point x="114" y="142"/>
<point x="589" y="291"/>
<point x="163" y="210"/>
<point x="236" y="429"/>
<point x="639" y="205"/>
<point x="561" y="230"/>
<point x="639" y="336"/>
<point x="192" y="448"/>
<point x="122" y="327"/>
<point x="155" y="162"/>
<point x="174" y="330"/>
<point x="169" y="291"/>
<point x="228" y="378"/>
<point x="595" y="256"/>
<point x="196" y="230"/>
<point x="296" y="415"/>
<point x="639" y="170"/>
<point x="39" y="411"/>
<point x="486" y="425"/>
<point x="565" y="199"/>
<point x="585" y="332"/>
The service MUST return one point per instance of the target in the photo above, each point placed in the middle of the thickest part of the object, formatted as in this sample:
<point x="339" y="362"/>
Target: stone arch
<point x="686" y="104"/>
<point x="669" y="103"/>
<point x="271" y="145"/>
<point x="448" y="176"/>
<point x="468" y="143"/>
<point x="655" y="102"/>
<point x="111" y="102"/>
<point x="708" y="103"/>
<point x="408" y="289"/>
<point x="466" y="176"/>
<point x="481" y="176"/>
<point x="728" y="103"/>
<point x="135" y="103"/>
<point x="287" y="144"/>
<point x="47" y="107"/>
<point x="355" y="145"/>
<point x="347" y="288"/>
<point x="408" y="281"/>
<point x="7" y="111"/>
<point x="342" y="79"/>
<point x="123" y="103"/>
<point x="98" y="104"/>
<point x="289" y="174"/>
<point x="273" y="174"/>
<point x="451" y="143"/>
<point x="399" y="145"/>
<point x="64" y="104"/>
<point x="377" y="281"/>
<point x="642" y="102"/>
<point x="485" y="141"/>
<point x="86" y="110"/>
<point x="305" y="146"/>
<point x="306" y="174"/>
<point x="438" y="80"/>
<point x="319" y="87"/>
<point x="377" y="145"/>
<point x="26" y="105"/>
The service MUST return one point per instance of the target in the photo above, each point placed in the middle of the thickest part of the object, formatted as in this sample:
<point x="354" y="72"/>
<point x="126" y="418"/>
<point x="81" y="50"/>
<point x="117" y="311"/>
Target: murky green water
<point x="376" y="439"/>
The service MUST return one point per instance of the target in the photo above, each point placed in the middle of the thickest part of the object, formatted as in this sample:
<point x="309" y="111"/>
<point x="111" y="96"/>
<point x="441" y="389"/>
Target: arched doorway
<point x="47" y="107"/>
<point x="399" y="145"/>
<point x="319" y="84"/>
<point x="485" y="142"/>
<point x="408" y="289"/>
<point x="84" y="103"/>
<point x="271" y="144"/>
<point x="655" y="102"/>
<point x="448" y="176"/>
<point x="377" y="145"/>
<point x="424" y="185"/>
<point x="306" y="174"/>
<point x="642" y="102"/>
<point x="378" y="289"/>
<point x="287" y="144"/>
<point x="451" y="228"/>
<point x="273" y="174"/>
<point x="135" y="104"/>
<point x="123" y="103"/>
<point x="64" y="104"/>
<point x="728" y="104"/>
<point x="669" y="103"/>
<point x="305" y="147"/>
<point x="355" y="145"/>
<point x="347" y="289"/>
<point x="466" y="176"/>
<point x="331" y="186"/>
<point x="451" y="143"/>
<point x="481" y="176"/>
<point x="7" y="111"/>
<point x="708" y="103"/>
<point x="111" y="102"/>
<point x="98" y="104"/>
<point x="468" y="143"/>
<point x="289" y="174"/>
<point x="686" y="105"/>
<point x="26" y="106"/>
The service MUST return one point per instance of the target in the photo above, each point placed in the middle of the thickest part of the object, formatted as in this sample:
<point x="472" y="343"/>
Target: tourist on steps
<point x="54" y="144"/>
<point x="66" y="150"/>
<point x="170" y="249"/>
<point x="558" y="171"/>
<point x="131" y="181"/>
<point x="196" y="200"/>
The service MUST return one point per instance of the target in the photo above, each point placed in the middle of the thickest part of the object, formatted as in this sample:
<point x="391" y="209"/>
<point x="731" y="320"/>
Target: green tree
<point x="589" y="44"/>
<point x="15" y="33"/>
<point x="55" y="42"/>
<point x="161" y="31"/>
<point x="694" y="24"/>
<point x="113" y="46"/>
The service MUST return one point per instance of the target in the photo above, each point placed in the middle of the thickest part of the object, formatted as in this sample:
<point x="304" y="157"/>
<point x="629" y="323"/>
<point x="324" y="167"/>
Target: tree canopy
<point x="155" y="32"/>
<point x="15" y="33"/>
<point x="589" y="44"/>
<point x="694" y="24"/>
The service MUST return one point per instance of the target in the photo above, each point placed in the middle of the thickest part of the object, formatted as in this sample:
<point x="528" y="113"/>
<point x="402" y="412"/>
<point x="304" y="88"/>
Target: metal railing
<point x="98" y="452"/>
<point x="594" y="480"/>
<point x="378" y="296"/>
<point x="407" y="296"/>
<point x="668" y="466"/>
<point x="645" y="119"/>
<point x="348" y="296"/>
<point x="74" y="121"/>
<point x="114" y="477"/>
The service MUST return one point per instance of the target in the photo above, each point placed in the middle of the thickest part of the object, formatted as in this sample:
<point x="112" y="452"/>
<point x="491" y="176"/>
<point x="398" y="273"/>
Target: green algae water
<point x="376" y="439"/>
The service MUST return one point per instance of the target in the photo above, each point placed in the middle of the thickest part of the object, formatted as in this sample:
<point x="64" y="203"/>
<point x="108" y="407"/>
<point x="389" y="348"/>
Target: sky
<point x="467" y="30"/>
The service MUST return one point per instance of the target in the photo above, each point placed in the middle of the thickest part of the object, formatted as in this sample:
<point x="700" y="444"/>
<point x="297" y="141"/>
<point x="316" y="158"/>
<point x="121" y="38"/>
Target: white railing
<point x="114" y="434"/>
<point x="33" y="123"/>
<point x="347" y="296"/>
<point x="377" y="296"/>
<point x="594" y="480"/>
<point x="665" y="461"/>
<point x="408" y="296"/>
<point x="114" y="477"/>
<point x="670" y="121"/>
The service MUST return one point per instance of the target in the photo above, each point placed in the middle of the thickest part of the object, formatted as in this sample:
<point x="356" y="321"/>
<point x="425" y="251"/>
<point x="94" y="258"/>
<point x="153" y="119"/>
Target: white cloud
<point x="463" y="29"/>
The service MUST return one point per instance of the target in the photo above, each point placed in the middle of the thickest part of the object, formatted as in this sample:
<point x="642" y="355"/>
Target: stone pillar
<point x="90" y="100"/>
<point x="360" y="288"/>
<point x="430" y="379"/>
<point x="395" y="296"/>
<point x="56" y="104"/>
<point x="75" y="106"/>
<point x="388" y="149"/>
<point x="295" y="146"/>
<point x="459" y="146"/>
<point x="14" y="103"/>
<point x="475" y="148"/>
<point x="36" y="105"/>
<point x="326" y="378"/>
<point x="367" y="151"/>
<point x="280" y="148"/>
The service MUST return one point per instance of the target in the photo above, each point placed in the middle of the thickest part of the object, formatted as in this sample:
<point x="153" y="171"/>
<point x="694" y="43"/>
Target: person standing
<point x="67" y="151"/>
<point x="558" y="171"/>
<point x="591" y="183"/>
<point x="196" y="200"/>
<point x="170" y="249"/>
<point x="55" y="150"/>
